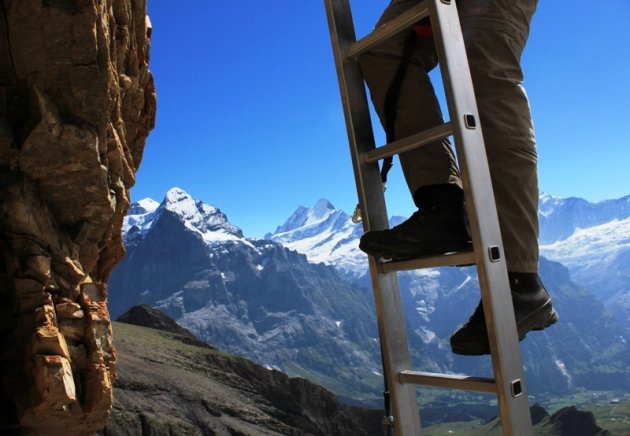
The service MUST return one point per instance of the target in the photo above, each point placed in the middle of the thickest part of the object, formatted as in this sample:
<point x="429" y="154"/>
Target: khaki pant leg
<point x="495" y="32"/>
<point x="418" y="108"/>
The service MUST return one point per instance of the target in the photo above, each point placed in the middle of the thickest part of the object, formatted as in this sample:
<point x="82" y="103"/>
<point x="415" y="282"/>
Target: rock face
<point x="76" y="104"/>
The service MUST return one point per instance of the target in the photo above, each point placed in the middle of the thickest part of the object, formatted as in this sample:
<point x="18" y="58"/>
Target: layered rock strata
<point x="77" y="102"/>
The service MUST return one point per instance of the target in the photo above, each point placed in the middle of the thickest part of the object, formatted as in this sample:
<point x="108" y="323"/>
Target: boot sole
<point x="540" y="319"/>
<point x="439" y="250"/>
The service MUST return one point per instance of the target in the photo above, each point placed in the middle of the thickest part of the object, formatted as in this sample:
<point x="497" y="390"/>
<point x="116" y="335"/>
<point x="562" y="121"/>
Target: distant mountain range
<point x="591" y="239"/>
<point x="299" y="299"/>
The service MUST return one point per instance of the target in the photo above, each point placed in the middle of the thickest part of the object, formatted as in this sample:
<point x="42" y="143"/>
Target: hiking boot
<point x="438" y="227"/>
<point x="532" y="308"/>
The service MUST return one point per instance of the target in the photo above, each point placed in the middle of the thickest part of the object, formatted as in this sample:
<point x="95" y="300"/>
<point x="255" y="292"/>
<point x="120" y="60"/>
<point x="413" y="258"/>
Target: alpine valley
<point x="299" y="300"/>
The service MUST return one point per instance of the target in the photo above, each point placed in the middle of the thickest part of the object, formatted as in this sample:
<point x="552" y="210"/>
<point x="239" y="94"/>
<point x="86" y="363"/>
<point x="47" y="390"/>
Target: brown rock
<point x="69" y="310"/>
<point x="54" y="382"/>
<point x="77" y="102"/>
<point x="48" y="341"/>
<point x="93" y="293"/>
<point x="73" y="329"/>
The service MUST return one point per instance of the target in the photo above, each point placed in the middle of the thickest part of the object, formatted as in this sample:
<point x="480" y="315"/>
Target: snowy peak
<point x="321" y="219"/>
<point x="324" y="234"/>
<point x="548" y="203"/>
<point x="296" y="220"/>
<point x="322" y="209"/>
<point x="304" y="217"/>
<point x="197" y="215"/>
<point x="139" y="218"/>
<point x="200" y="218"/>
<point x="143" y="207"/>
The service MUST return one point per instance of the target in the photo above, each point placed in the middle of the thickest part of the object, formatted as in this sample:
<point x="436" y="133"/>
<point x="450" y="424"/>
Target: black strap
<point x="391" y="99"/>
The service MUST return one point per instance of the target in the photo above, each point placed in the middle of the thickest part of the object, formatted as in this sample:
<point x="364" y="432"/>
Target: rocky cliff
<point x="76" y="104"/>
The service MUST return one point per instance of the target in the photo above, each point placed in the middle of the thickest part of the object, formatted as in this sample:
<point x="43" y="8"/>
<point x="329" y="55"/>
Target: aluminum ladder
<point x="508" y="382"/>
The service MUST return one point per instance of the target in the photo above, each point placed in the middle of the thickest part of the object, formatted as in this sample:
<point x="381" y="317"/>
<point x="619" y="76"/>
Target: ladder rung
<point x="428" y="136"/>
<point x="450" y="259"/>
<point x="463" y="382"/>
<point x="387" y="30"/>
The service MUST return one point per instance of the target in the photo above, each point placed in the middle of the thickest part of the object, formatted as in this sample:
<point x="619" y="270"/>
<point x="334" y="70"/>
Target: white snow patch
<point x="141" y="215"/>
<point x="148" y="204"/>
<point x="589" y="247"/>
<point x="563" y="369"/>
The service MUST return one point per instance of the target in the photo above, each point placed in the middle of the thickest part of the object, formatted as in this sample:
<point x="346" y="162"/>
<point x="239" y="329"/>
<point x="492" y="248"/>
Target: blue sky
<point x="249" y="116"/>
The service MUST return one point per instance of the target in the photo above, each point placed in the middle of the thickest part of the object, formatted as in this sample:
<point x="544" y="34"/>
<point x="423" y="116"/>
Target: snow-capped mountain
<point x="561" y="217"/>
<point x="586" y="250"/>
<point x="202" y="219"/>
<point x="139" y="217"/>
<point x="324" y="234"/>
<point x="598" y="257"/>
<point x="591" y="239"/>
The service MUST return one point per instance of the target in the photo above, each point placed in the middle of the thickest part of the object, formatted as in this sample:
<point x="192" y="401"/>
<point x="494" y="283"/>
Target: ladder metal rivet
<point x="470" y="121"/>
<point x="494" y="252"/>
<point x="517" y="388"/>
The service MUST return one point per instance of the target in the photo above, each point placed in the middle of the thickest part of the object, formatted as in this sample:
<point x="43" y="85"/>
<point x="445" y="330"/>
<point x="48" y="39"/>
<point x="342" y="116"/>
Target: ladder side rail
<point x="481" y="208"/>
<point x="392" y="331"/>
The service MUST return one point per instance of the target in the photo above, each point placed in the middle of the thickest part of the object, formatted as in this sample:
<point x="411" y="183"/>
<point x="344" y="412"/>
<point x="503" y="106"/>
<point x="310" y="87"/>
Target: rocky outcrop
<point x="146" y="316"/>
<point x="76" y="104"/>
<point x="570" y="421"/>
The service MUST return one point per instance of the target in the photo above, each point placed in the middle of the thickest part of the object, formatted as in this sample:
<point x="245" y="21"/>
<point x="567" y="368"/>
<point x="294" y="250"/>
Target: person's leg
<point x="430" y="171"/>
<point x="417" y="109"/>
<point x="495" y="32"/>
